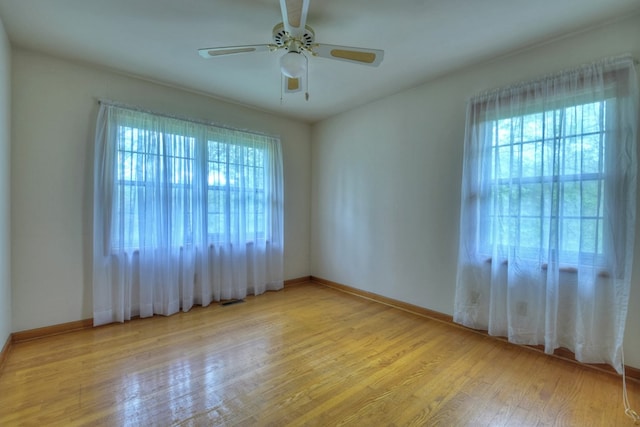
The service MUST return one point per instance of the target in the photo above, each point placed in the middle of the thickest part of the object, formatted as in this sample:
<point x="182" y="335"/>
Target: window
<point x="548" y="210"/>
<point x="547" y="170"/>
<point x="185" y="213"/>
<point x="230" y="168"/>
<point x="234" y="191"/>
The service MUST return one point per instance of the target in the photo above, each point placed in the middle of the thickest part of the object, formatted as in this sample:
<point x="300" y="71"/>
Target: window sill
<point x="563" y="269"/>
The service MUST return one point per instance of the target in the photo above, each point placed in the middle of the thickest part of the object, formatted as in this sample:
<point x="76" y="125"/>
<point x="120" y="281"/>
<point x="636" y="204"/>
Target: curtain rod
<point x="182" y="118"/>
<point x="604" y="61"/>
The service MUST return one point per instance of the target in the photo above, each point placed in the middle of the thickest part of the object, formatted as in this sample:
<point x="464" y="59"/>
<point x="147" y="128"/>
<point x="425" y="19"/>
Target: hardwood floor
<point x="308" y="355"/>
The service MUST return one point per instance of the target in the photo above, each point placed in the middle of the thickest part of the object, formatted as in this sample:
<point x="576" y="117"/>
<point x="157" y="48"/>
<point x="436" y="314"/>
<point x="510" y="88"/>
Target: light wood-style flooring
<point x="307" y="355"/>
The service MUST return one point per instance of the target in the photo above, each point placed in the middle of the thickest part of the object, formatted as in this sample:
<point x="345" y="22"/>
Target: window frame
<point x="484" y="222"/>
<point x="213" y="237"/>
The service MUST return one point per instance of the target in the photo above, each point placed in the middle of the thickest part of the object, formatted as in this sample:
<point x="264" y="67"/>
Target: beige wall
<point x="386" y="178"/>
<point x="5" y="175"/>
<point x="54" y="109"/>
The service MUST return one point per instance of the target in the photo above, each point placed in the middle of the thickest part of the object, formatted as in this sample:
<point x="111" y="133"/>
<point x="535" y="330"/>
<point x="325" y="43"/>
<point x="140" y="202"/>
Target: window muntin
<point x="547" y="170"/>
<point x="162" y="164"/>
<point x="235" y="189"/>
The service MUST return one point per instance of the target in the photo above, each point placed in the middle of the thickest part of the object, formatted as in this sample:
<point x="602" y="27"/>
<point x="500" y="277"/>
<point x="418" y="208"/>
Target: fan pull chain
<point x="282" y="83"/>
<point x="628" y="411"/>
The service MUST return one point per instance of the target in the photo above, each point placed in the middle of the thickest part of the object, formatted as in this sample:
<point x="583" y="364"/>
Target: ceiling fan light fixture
<point x="293" y="64"/>
<point x="299" y="40"/>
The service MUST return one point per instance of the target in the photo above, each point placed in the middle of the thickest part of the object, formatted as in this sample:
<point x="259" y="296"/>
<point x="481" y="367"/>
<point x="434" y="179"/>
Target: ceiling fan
<point x="298" y="39"/>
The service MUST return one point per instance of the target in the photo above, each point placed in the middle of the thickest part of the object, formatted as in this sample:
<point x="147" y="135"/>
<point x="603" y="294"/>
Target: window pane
<point x="591" y="198"/>
<point x="530" y="232"/>
<point x="531" y="199"/>
<point x="591" y="151"/>
<point x="163" y="166"/>
<point x="590" y="235"/>
<point x="570" y="232"/>
<point x="532" y="159"/>
<point x="503" y="169"/>
<point x="571" y="201"/>
<point x="571" y="156"/>
<point x="547" y="168"/>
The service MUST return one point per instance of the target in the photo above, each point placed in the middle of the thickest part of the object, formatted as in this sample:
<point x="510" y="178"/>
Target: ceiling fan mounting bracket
<point x="283" y="39"/>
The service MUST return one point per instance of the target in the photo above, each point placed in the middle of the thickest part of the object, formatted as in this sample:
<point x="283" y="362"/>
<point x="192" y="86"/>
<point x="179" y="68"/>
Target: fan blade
<point x="358" y="55"/>
<point x="294" y="16"/>
<point x="292" y="85"/>
<point x="212" y="52"/>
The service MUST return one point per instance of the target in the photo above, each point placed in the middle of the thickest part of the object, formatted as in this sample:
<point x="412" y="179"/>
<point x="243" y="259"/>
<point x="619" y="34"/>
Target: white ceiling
<point x="158" y="40"/>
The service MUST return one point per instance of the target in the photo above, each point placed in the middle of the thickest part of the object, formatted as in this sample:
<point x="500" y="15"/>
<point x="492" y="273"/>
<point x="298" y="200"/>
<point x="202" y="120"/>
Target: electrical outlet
<point x="521" y="308"/>
<point x="474" y="297"/>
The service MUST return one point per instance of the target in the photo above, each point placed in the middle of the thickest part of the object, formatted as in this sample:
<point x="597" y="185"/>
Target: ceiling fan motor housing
<point x="282" y="38"/>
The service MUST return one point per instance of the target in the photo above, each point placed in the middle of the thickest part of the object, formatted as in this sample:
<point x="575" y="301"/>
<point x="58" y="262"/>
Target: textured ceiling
<point x="158" y="40"/>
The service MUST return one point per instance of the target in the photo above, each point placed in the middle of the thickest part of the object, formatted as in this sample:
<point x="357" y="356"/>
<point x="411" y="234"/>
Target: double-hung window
<point x="547" y="215"/>
<point x="547" y="187"/>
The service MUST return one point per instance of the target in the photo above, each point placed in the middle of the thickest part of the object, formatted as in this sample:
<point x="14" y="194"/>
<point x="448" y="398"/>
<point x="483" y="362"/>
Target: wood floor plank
<point x="307" y="355"/>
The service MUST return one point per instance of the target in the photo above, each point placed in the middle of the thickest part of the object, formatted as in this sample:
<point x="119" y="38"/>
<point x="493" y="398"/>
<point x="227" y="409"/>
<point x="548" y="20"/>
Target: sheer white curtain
<point x="184" y="213"/>
<point x="548" y="211"/>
